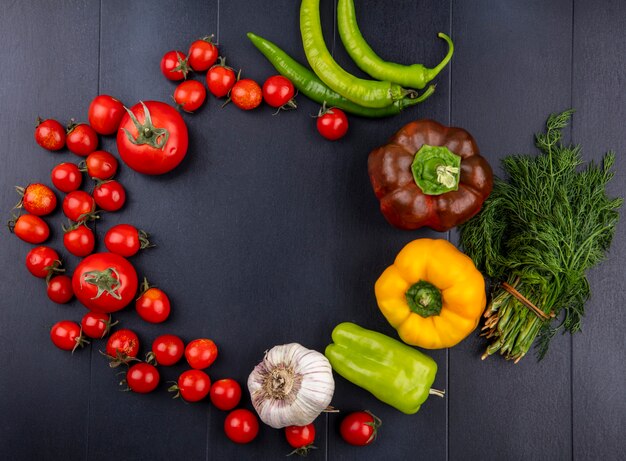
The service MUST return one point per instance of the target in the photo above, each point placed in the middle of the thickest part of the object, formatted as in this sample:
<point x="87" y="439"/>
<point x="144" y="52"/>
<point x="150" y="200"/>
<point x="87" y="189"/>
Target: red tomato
<point x="30" y="228"/>
<point x="163" y="141"/>
<point x="300" y="437"/>
<point x="202" y="54"/>
<point x="96" y="325"/>
<point x="78" y="206"/>
<point x="225" y="394"/>
<point x="66" y="335"/>
<point x="168" y="349"/>
<point x="79" y="240"/>
<point x="246" y="94"/>
<point x="81" y="139"/>
<point x="220" y="79"/>
<point x="105" y="282"/>
<point x="332" y="123"/>
<point x="109" y="195"/>
<point x="41" y="261"/>
<point x="359" y="428"/>
<point x="123" y="342"/>
<point x="201" y="353"/>
<point x="153" y="305"/>
<point x="105" y="114"/>
<point x="37" y="199"/>
<point x="142" y="378"/>
<point x="126" y="240"/>
<point x="278" y="91"/>
<point x="241" y="426"/>
<point x="174" y="65"/>
<point x="100" y="165"/>
<point x="60" y="289"/>
<point x="66" y="177"/>
<point x="190" y="95"/>
<point x="192" y="386"/>
<point x="50" y="134"/>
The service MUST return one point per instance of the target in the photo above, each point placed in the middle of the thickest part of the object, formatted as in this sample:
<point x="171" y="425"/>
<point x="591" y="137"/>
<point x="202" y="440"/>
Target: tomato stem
<point x="147" y="133"/>
<point x="144" y="240"/>
<point x="54" y="269"/>
<point x="106" y="281"/>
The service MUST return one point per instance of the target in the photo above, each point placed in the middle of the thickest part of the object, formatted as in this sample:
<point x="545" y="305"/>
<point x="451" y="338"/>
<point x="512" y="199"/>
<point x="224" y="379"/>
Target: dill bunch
<point x="537" y="234"/>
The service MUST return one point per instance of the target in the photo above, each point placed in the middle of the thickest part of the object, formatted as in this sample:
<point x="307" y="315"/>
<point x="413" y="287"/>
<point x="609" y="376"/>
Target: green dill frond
<point x="541" y="229"/>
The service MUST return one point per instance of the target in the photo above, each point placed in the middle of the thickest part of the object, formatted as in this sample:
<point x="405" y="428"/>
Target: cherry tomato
<point x="109" y="195"/>
<point x="190" y="95"/>
<point x="30" y="228"/>
<point x="174" y="65"/>
<point x="168" y="349"/>
<point x="105" y="282"/>
<point x="202" y="54"/>
<point x="66" y="335"/>
<point x="162" y="144"/>
<point x="192" y="386"/>
<point x="126" y="240"/>
<point x="278" y="91"/>
<point x="359" y="428"/>
<point x="332" y="123"/>
<point x="123" y="342"/>
<point x="153" y="305"/>
<point x="66" y="177"/>
<point x="37" y="199"/>
<point x="41" y="261"/>
<point x="201" y="353"/>
<point x="300" y="437"/>
<point x="220" y="79"/>
<point x="81" y="139"/>
<point x="246" y="94"/>
<point x="50" y="134"/>
<point x="241" y="426"/>
<point x="78" y="205"/>
<point x="225" y="394"/>
<point x="96" y="325"/>
<point x="60" y="289"/>
<point x="142" y="378"/>
<point x="79" y="240"/>
<point x="100" y="165"/>
<point x="105" y="114"/>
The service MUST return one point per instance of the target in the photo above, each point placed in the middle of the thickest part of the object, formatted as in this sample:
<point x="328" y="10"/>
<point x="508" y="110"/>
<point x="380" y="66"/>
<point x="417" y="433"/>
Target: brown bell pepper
<point x="430" y="175"/>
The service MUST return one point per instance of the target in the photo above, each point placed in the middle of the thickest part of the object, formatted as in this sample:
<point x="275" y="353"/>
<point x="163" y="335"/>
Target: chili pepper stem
<point x="430" y="90"/>
<point x="432" y="73"/>
<point x="437" y="392"/>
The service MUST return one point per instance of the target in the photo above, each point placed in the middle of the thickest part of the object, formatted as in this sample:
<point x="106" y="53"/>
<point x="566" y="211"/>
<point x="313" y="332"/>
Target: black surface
<point x="267" y="234"/>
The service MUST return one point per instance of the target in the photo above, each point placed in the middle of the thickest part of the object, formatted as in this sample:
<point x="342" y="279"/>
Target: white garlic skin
<point x="312" y="391"/>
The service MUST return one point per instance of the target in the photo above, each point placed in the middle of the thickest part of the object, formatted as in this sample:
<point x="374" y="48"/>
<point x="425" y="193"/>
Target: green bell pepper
<point x="393" y="372"/>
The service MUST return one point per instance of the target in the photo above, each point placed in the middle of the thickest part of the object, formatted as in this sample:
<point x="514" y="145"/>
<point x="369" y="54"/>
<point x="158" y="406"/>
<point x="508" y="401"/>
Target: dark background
<point x="268" y="234"/>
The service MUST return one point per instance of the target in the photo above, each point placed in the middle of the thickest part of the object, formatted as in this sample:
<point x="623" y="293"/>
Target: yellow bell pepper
<point x="432" y="294"/>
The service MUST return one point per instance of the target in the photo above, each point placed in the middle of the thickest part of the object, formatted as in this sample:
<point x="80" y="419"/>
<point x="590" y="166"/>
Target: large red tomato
<point x="105" y="282"/>
<point x="154" y="140"/>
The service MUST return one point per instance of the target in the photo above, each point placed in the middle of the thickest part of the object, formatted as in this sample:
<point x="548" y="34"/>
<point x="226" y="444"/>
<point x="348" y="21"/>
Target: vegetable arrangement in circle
<point x="426" y="175"/>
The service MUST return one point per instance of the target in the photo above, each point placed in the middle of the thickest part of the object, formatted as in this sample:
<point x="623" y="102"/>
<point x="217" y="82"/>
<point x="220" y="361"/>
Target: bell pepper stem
<point x="424" y="299"/>
<point x="436" y="170"/>
<point x="437" y="392"/>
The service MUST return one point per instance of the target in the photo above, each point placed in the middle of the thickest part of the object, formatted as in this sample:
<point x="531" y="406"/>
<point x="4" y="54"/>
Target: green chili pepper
<point x="367" y="93"/>
<point x="393" y="372"/>
<point x="413" y="76"/>
<point x="311" y="86"/>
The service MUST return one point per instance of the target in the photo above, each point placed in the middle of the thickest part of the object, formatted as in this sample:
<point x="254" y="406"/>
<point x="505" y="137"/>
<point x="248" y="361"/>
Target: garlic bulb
<point x="291" y="386"/>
